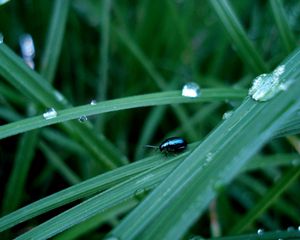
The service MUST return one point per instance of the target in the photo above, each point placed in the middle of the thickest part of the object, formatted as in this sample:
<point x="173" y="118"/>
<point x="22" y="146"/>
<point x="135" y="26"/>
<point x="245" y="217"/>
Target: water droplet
<point x="112" y="238"/>
<point x="83" y="119"/>
<point x="260" y="231"/>
<point x="295" y="162"/>
<point x="209" y="157"/>
<point x="3" y="1"/>
<point x="51" y="113"/>
<point x="59" y="96"/>
<point x="1" y="38"/>
<point x="227" y="115"/>
<point x="191" y="89"/>
<point x="27" y="46"/>
<point x="139" y="192"/>
<point x="196" y="238"/>
<point x="218" y="186"/>
<point x="266" y="86"/>
<point x="93" y="102"/>
<point x="290" y="229"/>
<point x="298" y="228"/>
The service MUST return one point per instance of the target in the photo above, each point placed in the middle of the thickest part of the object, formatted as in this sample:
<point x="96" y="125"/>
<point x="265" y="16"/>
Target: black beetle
<point x="171" y="145"/>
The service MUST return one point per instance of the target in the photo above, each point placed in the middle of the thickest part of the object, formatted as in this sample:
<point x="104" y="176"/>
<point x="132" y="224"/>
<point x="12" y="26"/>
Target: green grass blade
<point x="94" y="222"/>
<point x="15" y="185"/>
<point x="84" y="189"/>
<point x="103" y="201"/>
<point x="172" y="207"/>
<point x="104" y="47"/>
<point x="32" y="84"/>
<point x="236" y="32"/>
<point x="171" y="97"/>
<point x="285" y="32"/>
<point x="292" y="235"/>
<point x="54" y="39"/>
<point x="263" y="162"/>
<point x="97" y="184"/>
<point x="57" y="163"/>
<point x="290" y="127"/>
<point x="268" y="198"/>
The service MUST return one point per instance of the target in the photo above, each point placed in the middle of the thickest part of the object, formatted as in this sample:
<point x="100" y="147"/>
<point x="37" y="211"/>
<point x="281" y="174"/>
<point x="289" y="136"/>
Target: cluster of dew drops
<point x="52" y="113"/>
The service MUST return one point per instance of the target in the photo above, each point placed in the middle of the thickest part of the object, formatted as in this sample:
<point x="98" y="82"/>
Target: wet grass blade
<point x="292" y="235"/>
<point x="107" y="180"/>
<point x="153" y="99"/>
<point x="84" y="189"/>
<point x="32" y="84"/>
<point x="175" y="204"/>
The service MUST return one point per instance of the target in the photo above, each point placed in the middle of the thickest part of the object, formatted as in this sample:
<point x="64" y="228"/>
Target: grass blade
<point x="285" y="32"/>
<point x="171" y="97"/>
<point x="267" y="200"/>
<point x="235" y="30"/>
<point x="54" y="39"/>
<point x="15" y="186"/>
<point x="172" y="207"/>
<point x="32" y="84"/>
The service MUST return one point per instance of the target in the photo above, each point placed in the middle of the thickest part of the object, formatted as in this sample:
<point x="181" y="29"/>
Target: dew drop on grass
<point x="1" y="37"/>
<point x="227" y="115"/>
<point x="191" y="90"/>
<point x="295" y="162"/>
<point x="51" y="113"/>
<point x="209" y="157"/>
<point x="3" y="1"/>
<point x="59" y="96"/>
<point x="218" y="186"/>
<point x="27" y="46"/>
<point x="290" y="229"/>
<point x="93" y="102"/>
<point x="112" y="238"/>
<point x="260" y="231"/>
<point x="266" y="86"/>
<point x="82" y="119"/>
<point x="139" y="192"/>
<point x="196" y="238"/>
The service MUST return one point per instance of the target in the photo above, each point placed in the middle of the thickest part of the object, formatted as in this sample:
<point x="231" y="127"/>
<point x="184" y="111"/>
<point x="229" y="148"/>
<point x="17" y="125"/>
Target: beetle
<point x="171" y="145"/>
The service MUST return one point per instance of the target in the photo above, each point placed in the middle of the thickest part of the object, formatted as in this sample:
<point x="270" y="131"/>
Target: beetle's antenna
<point x="151" y="146"/>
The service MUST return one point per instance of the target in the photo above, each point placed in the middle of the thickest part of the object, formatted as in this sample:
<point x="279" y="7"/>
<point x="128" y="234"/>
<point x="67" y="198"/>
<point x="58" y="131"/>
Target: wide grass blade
<point x="173" y="207"/>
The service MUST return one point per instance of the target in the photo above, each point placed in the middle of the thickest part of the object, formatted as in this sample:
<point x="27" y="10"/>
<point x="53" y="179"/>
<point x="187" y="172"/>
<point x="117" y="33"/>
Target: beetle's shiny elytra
<point x="173" y="145"/>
